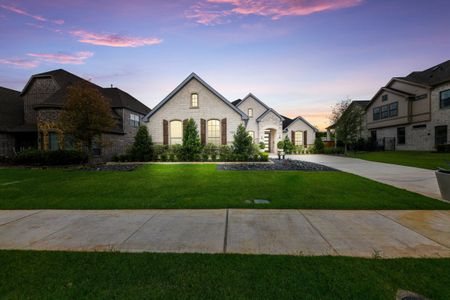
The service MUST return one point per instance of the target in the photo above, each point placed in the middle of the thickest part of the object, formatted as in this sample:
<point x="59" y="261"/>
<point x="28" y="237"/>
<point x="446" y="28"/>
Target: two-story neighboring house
<point x="412" y="112"/>
<point x="217" y="118"/>
<point x="43" y="98"/>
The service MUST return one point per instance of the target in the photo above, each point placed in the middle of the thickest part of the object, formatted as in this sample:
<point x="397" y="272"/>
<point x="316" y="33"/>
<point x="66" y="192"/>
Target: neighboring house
<point x="44" y="96"/>
<point x="299" y="131"/>
<point x="218" y="119"/>
<point x="11" y="116"/>
<point x="412" y="112"/>
<point x="360" y="105"/>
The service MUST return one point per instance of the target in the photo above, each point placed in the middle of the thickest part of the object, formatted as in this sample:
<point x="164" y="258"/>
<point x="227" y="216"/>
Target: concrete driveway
<point x="250" y="231"/>
<point x="421" y="181"/>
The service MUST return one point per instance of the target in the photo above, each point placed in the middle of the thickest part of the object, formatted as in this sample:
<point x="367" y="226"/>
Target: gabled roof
<point x="267" y="112"/>
<point x="236" y="102"/>
<point x="433" y="76"/>
<point x="183" y="84"/>
<point x="288" y="122"/>
<point x="11" y="109"/>
<point x="390" y="90"/>
<point x="121" y="99"/>
<point x="254" y="97"/>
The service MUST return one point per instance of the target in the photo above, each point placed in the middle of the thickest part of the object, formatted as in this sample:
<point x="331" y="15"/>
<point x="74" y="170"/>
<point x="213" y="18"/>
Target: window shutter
<point x="224" y="131"/>
<point x="305" y="138"/>
<point x="203" y="131"/>
<point x="293" y="137"/>
<point x="165" y="132"/>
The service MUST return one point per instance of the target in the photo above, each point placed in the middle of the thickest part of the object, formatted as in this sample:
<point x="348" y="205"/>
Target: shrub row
<point x="443" y="148"/>
<point x="50" y="158"/>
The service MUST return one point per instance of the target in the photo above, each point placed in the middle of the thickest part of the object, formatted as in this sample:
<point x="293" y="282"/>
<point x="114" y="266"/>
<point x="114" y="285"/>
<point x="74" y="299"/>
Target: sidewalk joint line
<point x="139" y="228"/>
<point x="21" y="218"/>
<point x="225" y="237"/>
<point x="413" y="230"/>
<point x="318" y="231"/>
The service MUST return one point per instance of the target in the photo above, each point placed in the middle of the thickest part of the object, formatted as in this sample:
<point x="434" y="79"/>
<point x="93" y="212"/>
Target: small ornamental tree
<point x="242" y="143"/>
<point x="86" y="114"/>
<point x="192" y="146"/>
<point x="142" y="149"/>
<point x="287" y="145"/>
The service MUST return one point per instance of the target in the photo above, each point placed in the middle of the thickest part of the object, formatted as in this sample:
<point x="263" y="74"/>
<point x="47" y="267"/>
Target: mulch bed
<point x="278" y="165"/>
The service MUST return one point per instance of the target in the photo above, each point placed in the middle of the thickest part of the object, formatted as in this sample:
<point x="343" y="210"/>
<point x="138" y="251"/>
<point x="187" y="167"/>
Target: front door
<point x="440" y="135"/>
<point x="267" y="141"/>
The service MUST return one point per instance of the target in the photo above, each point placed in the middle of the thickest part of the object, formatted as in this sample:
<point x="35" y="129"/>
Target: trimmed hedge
<point x="50" y="158"/>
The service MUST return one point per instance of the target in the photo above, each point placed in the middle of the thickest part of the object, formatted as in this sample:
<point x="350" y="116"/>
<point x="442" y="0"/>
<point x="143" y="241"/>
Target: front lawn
<point x="66" y="275"/>
<point x="418" y="159"/>
<point x="199" y="186"/>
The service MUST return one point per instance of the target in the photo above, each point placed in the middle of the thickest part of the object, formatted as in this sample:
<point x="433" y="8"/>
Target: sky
<point x="298" y="56"/>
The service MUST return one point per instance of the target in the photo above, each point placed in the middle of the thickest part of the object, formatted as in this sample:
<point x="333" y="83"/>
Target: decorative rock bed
<point x="277" y="165"/>
<point x="115" y="167"/>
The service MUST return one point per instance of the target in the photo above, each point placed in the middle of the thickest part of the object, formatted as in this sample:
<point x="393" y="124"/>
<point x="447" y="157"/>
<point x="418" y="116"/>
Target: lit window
<point x="445" y="99"/>
<point x="176" y="132"/>
<point x="250" y="112"/>
<point x="252" y="134"/>
<point x="194" y="100"/>
<point x="299" y="138"/>
<point x="214" y="132"/>
<point x="134" y="120"/>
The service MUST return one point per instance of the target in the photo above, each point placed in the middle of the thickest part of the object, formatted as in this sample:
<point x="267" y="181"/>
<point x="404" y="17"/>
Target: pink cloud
<point x="23" y="12"/>
<point x="74" y="59"/>
<point x="209" y="12"/>
<point x="113" y="40"/>
<point x="19" y="62"/>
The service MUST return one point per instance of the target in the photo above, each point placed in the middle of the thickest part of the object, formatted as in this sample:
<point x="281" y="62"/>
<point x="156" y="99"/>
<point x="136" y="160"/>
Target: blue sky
<point x="299" y="56"/>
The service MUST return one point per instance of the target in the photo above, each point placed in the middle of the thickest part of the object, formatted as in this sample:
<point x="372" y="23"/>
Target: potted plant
<point x="443" y="179"/>
<point x="281" y="153"/>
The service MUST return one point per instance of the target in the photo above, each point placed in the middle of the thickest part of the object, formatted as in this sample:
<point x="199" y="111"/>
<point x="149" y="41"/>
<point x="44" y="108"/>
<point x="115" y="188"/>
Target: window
<point x="252" y="134"/>
<point x="134" y="120"/>
<point x="194" y="100"/>
<point x="250" y="112"/>
<point x="445" y="99"/>
<point x="401" y="135"/>
<point x="440" y="133"/>
<point x="393" y="109"/>
<point x="299" y="138"/>
<point x="176" y="132"/>
<point x="384" y="98"/>
<point x="420" y="126"/>
<point x="385" y="111"/>
<point x="376" y="113"/>
<point x="214" y="132"/>
<point x="53" y="141"/>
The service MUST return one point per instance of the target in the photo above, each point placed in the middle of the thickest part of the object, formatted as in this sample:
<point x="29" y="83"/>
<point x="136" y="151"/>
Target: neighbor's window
<point x="299" y="138"/>
<point x="134" y="120"/>
<point x="53" y="141"/>
<point x="401" y="135"/>
<point x="252" y="134"/>
<point x="214" y="132"/>
<point x="385" y="111"/>
<point x="376" y="113"/>
<point x="176" y="132"/>
<point x="384" y="98"/>
<point x="393" y="109"/>
<point x="250" y="112"/>
<point x="445" y="99"/>
<point x="194" y="100"/>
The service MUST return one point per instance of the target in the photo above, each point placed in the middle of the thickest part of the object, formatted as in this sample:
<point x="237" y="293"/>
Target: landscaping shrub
<point x="318" y="145"/>
<point x="192" y="147"/>
<point x="262" y="146"/>
<point x="286" y="145"/>
<point x="142" y="148"/>
<point x="242" y="144"/>
<point x="225" y="153"/>
<point x="50" y="158"/>
<point x="263" y="156"/>
<point x="298" y="149"/>
<point x="337" y="150"/>
<point x="443" y="148"/>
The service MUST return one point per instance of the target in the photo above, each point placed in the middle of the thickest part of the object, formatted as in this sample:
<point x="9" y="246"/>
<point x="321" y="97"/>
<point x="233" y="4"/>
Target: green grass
<point x="199" y="186"/>
<point x="65" y="275"/>
<point x="418" y="159"/>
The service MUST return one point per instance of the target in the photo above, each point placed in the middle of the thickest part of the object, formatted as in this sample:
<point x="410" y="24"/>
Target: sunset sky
<point x="299" y="57"/>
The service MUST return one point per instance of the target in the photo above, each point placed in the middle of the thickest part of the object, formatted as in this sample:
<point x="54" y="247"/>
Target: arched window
<point x="250" y="112"/>
<point x="194" y="100"/>
<point x="176" y="132"/>
<point x="299" y="138"/>
<point x="252" y="134"/>
<point x="214" y="132"/>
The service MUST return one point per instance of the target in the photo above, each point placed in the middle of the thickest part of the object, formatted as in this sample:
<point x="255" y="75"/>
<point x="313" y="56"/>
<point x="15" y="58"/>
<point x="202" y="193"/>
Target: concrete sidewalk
<point x="293" y="232"/>
<point x="421" y="181"/>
